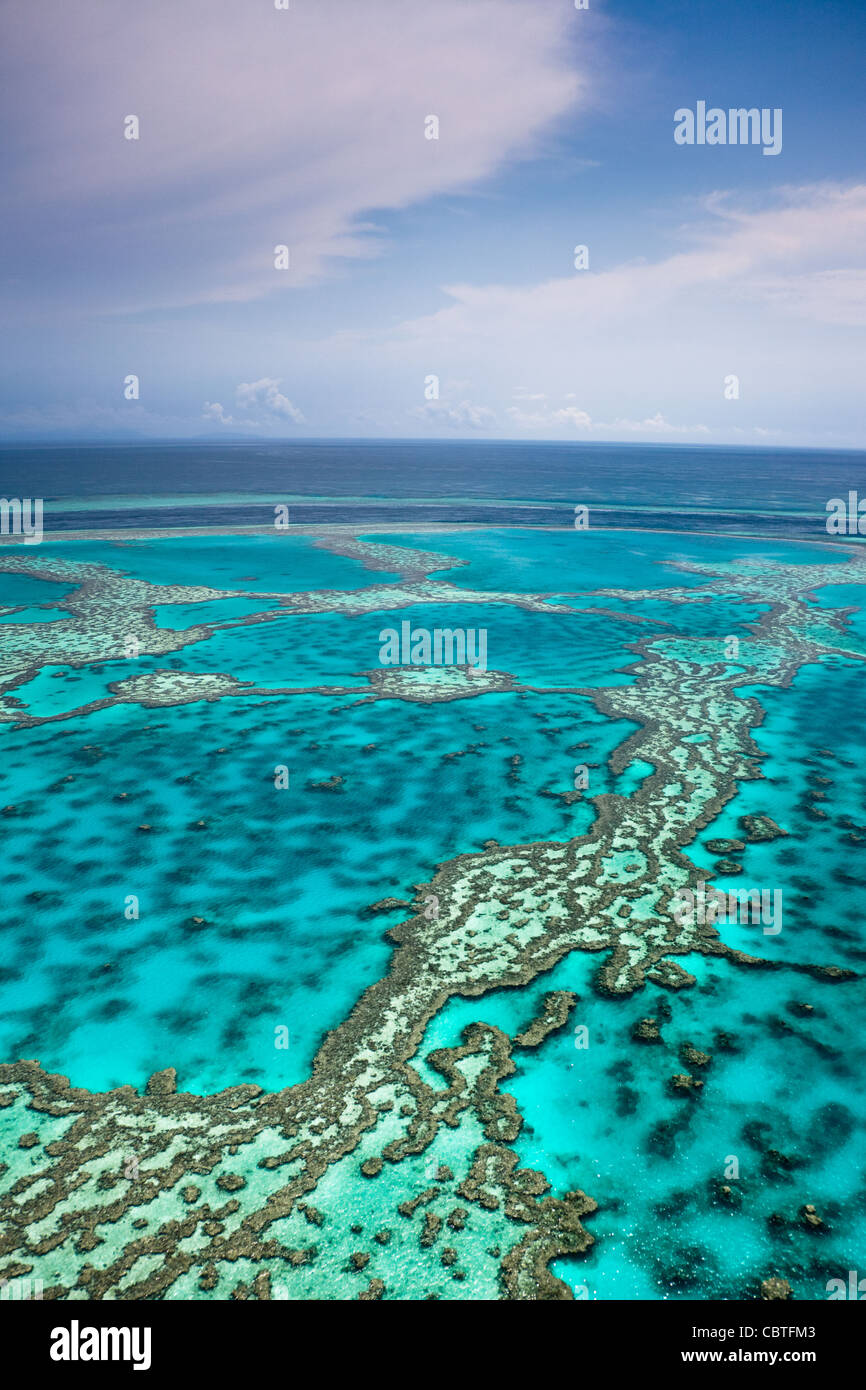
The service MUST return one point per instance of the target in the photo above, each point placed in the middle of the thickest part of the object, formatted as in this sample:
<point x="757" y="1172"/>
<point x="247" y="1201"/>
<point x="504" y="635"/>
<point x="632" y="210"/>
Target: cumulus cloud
<point x="261" y="403"/>
<point x="265" y="397"/>
<point x="463" y="415"/>
<point x="581" y="422"/>
<point x="548" y="420"/>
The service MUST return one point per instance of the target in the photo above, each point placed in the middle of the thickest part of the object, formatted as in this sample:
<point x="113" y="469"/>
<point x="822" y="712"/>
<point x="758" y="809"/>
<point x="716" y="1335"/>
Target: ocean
<point x="777" y="491"/>
<point x="424" y="924"/>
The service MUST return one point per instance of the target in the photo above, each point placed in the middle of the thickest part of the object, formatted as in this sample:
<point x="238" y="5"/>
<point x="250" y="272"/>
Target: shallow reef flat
<point x="393" y="1171"/>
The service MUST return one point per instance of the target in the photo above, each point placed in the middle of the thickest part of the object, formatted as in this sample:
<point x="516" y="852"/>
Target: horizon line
<point x="207" y="441"/>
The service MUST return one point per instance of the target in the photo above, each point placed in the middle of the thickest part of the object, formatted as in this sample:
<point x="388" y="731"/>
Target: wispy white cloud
<point x="258" y="128"/>
<point x="756" y="292"/>
<point x="805" y="255"/>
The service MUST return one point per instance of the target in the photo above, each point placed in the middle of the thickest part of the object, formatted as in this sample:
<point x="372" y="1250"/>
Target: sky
<point x="431" y="289"/>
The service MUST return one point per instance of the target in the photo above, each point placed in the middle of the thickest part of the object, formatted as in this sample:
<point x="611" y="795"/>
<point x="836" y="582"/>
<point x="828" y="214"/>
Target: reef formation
<point x="255" y="1194"/>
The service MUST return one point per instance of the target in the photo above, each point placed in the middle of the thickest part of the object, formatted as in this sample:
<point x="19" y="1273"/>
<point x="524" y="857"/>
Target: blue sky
<point x="448" y="258"/>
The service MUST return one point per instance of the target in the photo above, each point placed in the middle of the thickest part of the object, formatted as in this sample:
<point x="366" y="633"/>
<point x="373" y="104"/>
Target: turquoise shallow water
<point x="602" y="1118"/>
<point x="281" y="878"/>
<point x="285" y="563"/>
<point x="526" y="561"/>
<point x="23" y="592"/>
